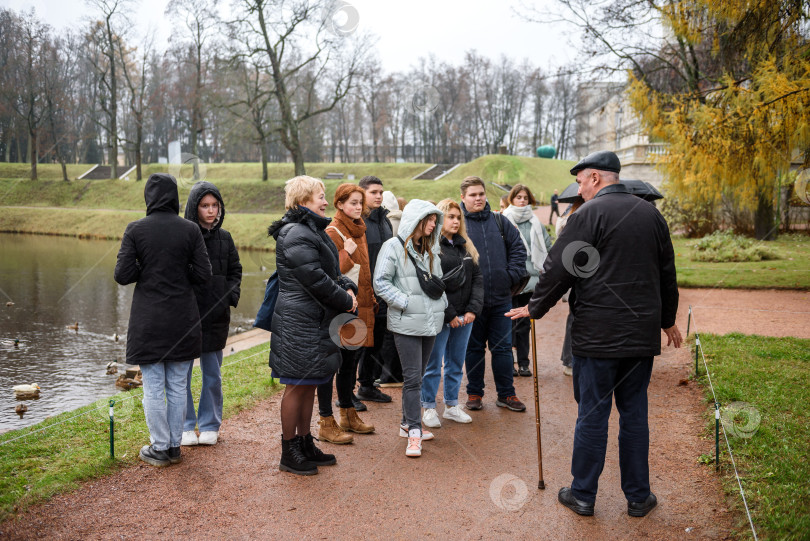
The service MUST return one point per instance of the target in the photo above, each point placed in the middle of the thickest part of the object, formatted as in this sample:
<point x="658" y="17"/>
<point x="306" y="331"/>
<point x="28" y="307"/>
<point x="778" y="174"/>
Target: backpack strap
<point x="499" y="223"/>
<point x="338" y="232"/>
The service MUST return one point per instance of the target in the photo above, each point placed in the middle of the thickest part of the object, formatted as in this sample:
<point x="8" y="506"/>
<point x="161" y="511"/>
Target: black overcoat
<point x="215" y="298"/>
<point x="163" y="254"/>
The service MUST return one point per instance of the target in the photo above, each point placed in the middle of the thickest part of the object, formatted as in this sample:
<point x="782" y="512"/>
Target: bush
<point x="723" y="246"/>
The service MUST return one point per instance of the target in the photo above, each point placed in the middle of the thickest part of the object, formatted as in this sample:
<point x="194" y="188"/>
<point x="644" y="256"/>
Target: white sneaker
<point x="414" y="447"/>
<point x="455" y="413"/>
<point x="209" y="437"/>
<point x="189" y="438"/>
<point x="426" y="434"/>
<point x="431" y="418"/>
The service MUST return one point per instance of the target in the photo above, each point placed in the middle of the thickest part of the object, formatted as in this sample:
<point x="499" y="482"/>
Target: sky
<point x="405" y="30"/>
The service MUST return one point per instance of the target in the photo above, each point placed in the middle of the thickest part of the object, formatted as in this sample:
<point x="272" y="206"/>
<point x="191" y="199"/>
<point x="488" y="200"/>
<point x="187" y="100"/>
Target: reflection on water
<point x="55" y="282"/>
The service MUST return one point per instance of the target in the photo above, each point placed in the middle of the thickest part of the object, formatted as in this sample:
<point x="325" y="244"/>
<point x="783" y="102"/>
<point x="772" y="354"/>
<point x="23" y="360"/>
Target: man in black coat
<point x="616" y="254"/>
<point x="163" y="254"/>
<point x="206" y="208"/>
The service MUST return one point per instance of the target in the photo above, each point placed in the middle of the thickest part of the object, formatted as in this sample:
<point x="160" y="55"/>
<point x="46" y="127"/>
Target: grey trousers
<point x="414" y="352"/>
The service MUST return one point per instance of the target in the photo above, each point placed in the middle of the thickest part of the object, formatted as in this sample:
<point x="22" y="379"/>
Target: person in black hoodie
<point x="313" y="298"/>
<point x="465" y="299"/>
<point x="214" y="299"/>
<point x="163" y="255"/>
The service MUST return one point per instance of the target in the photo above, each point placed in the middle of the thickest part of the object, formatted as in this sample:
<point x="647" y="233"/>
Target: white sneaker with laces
<point x="426" y="434"/>
<point x="431" y="418"/>
<point x="189" y="438"/>
<point x="455" y="413"/>
<point x="414" y="447"/>
<point x="209" y="437"/>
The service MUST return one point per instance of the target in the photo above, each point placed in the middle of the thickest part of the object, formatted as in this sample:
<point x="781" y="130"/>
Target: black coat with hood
<point x="312" y="293"/>
<point x="215" y="298"/>
<point x="470" y="296"/>
<point x="378" y="230"/>
<point x="163" y="254"/>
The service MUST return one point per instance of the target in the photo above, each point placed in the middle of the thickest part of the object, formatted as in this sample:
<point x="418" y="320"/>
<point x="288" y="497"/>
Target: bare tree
<point x="136" y="75"/>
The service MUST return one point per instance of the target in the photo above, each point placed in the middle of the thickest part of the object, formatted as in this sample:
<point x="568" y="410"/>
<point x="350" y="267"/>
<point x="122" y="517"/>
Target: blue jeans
<point x="210" y="409"/>
<point x="596" y="381"/>
<point x="494" y="327"/>
<point x="451" y="344"/>
<point x="164" y="401"/>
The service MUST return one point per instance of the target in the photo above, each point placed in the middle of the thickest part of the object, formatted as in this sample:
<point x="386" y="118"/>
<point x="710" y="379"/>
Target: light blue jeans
<point x="164" y="402"/>
<point x="210" y="409"/>
<point x="450" y="345"/>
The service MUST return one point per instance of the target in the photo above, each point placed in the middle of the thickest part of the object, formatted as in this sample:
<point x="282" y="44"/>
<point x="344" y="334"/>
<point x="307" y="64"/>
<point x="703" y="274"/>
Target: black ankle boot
<point x="315" y="455"/>
<point x="293" y="459"/>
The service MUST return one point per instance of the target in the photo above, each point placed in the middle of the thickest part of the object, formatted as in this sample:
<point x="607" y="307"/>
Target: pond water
<point x="55" y="282"/>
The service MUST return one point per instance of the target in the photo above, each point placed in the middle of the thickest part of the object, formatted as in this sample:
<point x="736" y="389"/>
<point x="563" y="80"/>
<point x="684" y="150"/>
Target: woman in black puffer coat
<point x="214" y="299"/>
<point x="304" y="350"/>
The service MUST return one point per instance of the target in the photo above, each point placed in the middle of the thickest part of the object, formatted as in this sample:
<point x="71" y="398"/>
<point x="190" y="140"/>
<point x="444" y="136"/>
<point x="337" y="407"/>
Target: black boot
<point x="293" y="459"/>
<point x="315" y="455"/>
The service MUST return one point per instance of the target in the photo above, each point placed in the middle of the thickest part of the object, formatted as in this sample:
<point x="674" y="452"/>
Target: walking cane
<point x="540" y="484"/>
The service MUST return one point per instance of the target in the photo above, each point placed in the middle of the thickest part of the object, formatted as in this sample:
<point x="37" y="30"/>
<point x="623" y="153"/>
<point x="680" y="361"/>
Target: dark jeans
<point x="555" y="209"/>
<point x="596" y="381"/>
<point x="414" y="352"/>
<point x="494" y="328"/>
<point x="521" y="331"/>
<point x="344" y="382"/>
<point x="380" y="360"/>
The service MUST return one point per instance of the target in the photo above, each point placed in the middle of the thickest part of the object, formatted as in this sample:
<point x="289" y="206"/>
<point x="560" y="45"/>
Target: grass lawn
<point x="74" y="446"/>
<point x="790" y="271"/>
<point x="772" y="375"/>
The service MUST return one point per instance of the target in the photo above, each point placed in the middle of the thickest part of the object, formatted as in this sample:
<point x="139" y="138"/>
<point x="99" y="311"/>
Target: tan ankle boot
<point x="349" y="420"/>
<point x="328" y="430"/>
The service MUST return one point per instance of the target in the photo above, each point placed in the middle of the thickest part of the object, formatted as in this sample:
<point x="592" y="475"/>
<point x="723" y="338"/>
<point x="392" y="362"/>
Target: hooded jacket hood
<point x="413" y="213"/>
<point x="198" y="191"/>
<point x="160" y="194"/>
<point x="390" y="201"/>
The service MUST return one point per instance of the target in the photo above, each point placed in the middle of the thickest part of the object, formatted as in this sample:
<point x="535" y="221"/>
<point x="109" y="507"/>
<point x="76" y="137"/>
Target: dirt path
<point x="474" y="481"/>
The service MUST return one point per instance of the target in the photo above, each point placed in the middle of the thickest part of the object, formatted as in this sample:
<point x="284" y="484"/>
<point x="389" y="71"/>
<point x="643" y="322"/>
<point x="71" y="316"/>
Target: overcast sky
<point x="405" y="30"/>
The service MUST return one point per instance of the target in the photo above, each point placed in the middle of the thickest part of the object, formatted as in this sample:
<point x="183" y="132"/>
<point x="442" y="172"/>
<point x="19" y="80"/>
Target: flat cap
<point x="604" y="160"/>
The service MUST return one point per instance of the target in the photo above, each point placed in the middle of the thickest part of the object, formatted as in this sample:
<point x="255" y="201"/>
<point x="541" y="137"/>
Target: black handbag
<point x="454" y="279"/>
<point x="431" y="285"/>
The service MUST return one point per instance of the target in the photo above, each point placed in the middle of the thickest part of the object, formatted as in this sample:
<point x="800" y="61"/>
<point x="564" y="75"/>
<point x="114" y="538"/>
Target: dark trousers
<point x="491" y="328"/>
<point x="344" y="382"/>
<point x="521" y="331"/>
<point x="555" y="209"/>
<point x="596" y="381"/>
<point x="380" y="360"/>
<point x="566" y="354"/>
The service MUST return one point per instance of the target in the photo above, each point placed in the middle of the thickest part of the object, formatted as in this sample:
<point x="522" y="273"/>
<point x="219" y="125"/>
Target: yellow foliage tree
<point x="737" y="130"/>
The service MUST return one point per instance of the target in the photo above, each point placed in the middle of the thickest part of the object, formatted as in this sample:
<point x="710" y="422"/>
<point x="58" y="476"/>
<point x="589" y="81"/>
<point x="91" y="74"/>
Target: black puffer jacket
<point x="378" y="230"/>
<point x="215" y="298"/>
<point x="312" y="292"/>
<point x="616" y="254"/>
<point x="163" y="254"/>
<point x="470" y="297"/>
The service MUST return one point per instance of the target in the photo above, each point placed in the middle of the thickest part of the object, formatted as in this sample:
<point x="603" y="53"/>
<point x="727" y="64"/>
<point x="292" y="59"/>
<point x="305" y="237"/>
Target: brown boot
<point x="328" y="430"/>
<point x="349" y="420"/>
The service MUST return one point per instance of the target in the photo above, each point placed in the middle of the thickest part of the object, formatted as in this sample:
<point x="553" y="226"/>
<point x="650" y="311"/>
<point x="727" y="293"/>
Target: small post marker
<point x="689" y="320"/>
<point x="717" y="436"/>
<point x="112" y="429"/>
<point x="697" y="353"/>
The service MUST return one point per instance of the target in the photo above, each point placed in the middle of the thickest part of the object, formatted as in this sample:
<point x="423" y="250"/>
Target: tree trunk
<point x="32" y="152"/>
<point x="138" y="139"/>
<point x="263" y="147"/>
<point x="763" y="218"/>
<point x="113" y="104"/>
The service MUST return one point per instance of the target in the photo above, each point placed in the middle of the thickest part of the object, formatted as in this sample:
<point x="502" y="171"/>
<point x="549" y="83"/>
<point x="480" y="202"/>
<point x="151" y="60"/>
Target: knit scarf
<point x="536" y="249"/>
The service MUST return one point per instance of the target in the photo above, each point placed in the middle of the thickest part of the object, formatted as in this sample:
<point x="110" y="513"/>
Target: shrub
<point x="723" y="246"/>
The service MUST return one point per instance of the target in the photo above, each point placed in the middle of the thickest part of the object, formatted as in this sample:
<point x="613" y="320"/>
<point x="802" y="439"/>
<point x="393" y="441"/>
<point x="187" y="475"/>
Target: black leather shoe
<point x="641" y="509"/>
<point x="525" y="372"/>
<point x="372" y="394"/>
<point x="566" y="497"/>
<point x="174" y="455"/>
<point x="359" y="406"/>
<point x="149" y="455"/>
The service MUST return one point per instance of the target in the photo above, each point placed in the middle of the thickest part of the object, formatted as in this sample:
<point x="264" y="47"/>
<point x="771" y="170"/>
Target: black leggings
<point x="344" y="382"/>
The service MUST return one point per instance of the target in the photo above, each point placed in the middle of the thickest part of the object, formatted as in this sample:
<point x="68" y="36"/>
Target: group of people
<point x="411" y="304"/>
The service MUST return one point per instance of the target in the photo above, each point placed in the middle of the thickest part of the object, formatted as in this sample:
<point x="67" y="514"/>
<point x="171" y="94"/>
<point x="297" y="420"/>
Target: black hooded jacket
<point x="378" y="230"/>
<point x="470" y="296"/>
<point x="163" y="254"/>
<point x="312" y="293"/>
<point x="215" y="298"/>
